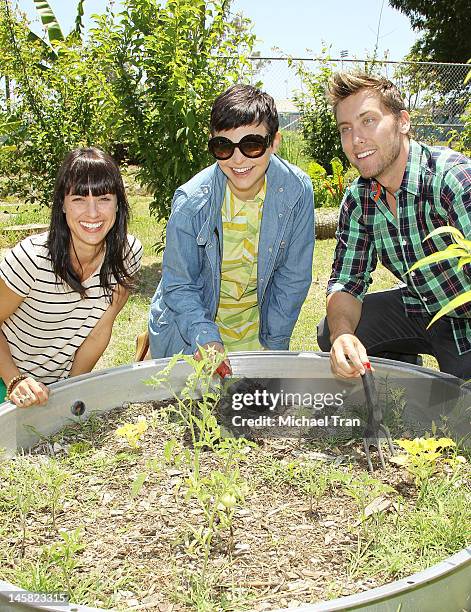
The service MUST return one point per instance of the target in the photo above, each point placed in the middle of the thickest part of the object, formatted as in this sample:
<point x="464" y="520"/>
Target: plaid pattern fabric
<point x="435" y="191"/>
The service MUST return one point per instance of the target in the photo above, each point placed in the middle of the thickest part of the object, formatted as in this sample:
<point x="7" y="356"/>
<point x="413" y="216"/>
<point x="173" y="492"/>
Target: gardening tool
<point x="223" y="370"/>
<point x="224" y="375"/>
<point x="375" y="424"/>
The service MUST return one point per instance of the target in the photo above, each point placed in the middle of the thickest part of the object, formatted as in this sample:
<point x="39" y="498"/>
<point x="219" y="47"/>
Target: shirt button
<point x="270" y="250"/>
<point x="404" y="242"/>
<point x="280" y="215"/>
<point x="209" y="245"/>
<point x="261" y="280"/>
<point x="281" y="189"/>
<point x="282" y="243"/>
<point x="424" y="299"/>
<point x="412" y="274"/>
<point x="205" y="190"/>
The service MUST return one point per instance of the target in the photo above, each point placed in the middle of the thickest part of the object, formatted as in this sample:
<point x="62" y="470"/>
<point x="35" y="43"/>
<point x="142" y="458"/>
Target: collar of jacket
<point x="284" y="188"/>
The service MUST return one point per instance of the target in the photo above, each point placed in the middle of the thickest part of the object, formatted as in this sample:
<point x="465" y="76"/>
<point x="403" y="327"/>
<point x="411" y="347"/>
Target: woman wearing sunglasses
<point x="238" y="256"/>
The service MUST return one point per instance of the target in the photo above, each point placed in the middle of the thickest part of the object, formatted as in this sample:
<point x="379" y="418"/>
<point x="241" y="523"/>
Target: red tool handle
<point x="223" y="370"/>
<point x="369" y="385"/>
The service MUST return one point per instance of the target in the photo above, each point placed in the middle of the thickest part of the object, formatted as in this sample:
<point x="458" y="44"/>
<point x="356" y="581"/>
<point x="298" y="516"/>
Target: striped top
<point x="52" y="321"/>
<point x="238" y="317"/>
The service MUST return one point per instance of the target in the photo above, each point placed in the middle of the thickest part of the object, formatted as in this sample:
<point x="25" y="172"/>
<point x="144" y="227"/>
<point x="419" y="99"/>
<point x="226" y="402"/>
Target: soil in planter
<point x="69" y="521"/>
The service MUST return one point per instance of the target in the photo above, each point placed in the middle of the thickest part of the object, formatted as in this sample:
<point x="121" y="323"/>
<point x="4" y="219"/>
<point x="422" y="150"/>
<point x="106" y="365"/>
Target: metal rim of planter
<point x="445" y="586"/>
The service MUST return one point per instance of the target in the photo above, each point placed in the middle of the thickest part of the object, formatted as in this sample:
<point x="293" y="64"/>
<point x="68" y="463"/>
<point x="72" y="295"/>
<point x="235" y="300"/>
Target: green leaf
<point x="315" y="170"/>
<point x="458" y="301"/>
<point x="455" y="232"/>
<point x="138" y="483"/>
<point x="468" y="76"/>
<point x="445" y="229"/>
<point x="9" y="126"/>
<point x="34" y="38"/>
<point x="78" y="19"/>
<point x="49" y="20"/>
<point x="449" y="253"/>
<point x="337" y="167"/>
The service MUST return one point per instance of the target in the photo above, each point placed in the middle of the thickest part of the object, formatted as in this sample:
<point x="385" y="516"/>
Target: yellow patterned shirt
<point x="237" y="316"/>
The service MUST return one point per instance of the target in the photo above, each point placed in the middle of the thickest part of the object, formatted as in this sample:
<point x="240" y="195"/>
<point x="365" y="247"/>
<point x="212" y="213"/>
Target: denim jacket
<point x="183" y="309"/>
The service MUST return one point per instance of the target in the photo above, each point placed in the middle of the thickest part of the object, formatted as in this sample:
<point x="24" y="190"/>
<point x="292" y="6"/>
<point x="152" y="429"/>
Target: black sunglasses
<point x="252" y="145"/>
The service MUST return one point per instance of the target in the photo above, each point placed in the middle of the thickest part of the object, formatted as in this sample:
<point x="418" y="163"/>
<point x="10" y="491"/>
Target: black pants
<point x="386" y="331"/>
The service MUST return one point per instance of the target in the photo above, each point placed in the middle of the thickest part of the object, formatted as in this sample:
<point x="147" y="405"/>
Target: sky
<point x="294" y="26"/>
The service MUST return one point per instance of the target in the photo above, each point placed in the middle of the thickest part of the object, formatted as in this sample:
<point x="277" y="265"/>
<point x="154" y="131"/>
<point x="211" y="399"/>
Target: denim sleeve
<point x="291" y="280"/>
<point x="182" y="285"/>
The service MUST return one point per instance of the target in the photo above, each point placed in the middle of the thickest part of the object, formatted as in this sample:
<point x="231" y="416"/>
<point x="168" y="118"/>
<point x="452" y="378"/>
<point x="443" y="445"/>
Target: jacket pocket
<point x="281" y="254"/>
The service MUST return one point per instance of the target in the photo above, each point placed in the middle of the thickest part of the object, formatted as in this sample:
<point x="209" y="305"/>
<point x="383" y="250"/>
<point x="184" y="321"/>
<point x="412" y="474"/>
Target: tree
<point x="60" y="101"/>
<point x="318" y="122"/>
<point x="166" y="64"/>
<point x="445" y="27"/>
<point x="145" y="78"/>
<point x="446" y="37"/>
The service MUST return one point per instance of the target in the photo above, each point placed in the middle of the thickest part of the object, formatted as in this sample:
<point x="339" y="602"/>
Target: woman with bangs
<point x="60" y="291"/>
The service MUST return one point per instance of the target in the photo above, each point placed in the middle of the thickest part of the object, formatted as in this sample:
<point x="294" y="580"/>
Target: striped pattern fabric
<point x="52" y="321"/>
<point x="237" y="316"/>
<point x="435" y="191"/>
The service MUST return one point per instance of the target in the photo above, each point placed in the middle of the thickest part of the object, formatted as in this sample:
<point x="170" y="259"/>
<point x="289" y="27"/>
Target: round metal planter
<point x="445" y="587"/>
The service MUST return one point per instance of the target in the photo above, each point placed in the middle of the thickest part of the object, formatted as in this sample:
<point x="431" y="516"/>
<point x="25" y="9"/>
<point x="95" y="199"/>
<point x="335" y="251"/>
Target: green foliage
<point x="364" y="488"/>
<point x="223" y="491"/>
<point x="318" y="121"/>
<point x="462" y="141"/>
<point x="144" y="80"/>
<point x="62" y="101"/>
<point x="49" y="20"/>
<point x="423" y="458"/>
<point x="293" y="149"/>
<point x="460" y="250"/>
<point x="133" y="432"/>
<point x="168" y="63"/>
<point x="445" y="27"/>
<point x="330" y="189"/>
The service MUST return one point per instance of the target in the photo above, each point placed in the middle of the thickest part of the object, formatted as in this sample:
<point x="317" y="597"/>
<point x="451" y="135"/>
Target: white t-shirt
<point x="52" y="321"/>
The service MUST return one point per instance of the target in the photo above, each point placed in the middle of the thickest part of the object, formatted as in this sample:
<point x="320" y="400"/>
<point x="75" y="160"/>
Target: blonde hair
<point x="343" y="84"/>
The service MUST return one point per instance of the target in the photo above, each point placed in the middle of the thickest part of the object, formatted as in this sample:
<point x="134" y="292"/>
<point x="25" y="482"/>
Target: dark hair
<point x="84" y="171"/>
<point x="243" y="105"/>
<point x="344" y="84"/>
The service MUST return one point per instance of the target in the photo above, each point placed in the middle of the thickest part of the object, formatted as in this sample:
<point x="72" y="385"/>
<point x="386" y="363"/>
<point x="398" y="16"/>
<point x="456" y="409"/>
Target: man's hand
<point x="29" y="392"/>
<point x="348" y="345"/>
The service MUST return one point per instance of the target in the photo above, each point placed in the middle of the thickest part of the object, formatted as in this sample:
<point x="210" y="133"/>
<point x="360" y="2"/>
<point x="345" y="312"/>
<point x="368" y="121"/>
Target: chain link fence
<point x="434" y="92"/>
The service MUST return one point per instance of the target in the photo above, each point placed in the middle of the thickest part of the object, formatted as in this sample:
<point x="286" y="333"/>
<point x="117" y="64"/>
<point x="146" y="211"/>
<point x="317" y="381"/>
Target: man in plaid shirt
<point x="405" y="190"/>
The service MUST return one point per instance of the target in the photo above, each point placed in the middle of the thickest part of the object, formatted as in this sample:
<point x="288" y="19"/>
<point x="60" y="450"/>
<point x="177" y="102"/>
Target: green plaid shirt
<point x="435" y="191"/>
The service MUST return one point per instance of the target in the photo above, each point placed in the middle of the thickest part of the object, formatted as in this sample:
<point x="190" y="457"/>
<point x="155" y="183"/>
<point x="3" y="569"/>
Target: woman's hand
<point x="29" y="392"/>
<point x="214" y="348"/>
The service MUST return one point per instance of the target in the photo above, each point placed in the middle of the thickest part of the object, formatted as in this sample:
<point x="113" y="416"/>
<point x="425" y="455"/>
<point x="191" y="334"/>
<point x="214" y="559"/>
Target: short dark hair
<point x="243" y="105"/>
<point x="344" y="84"/>
<point x="83" y="171"/>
